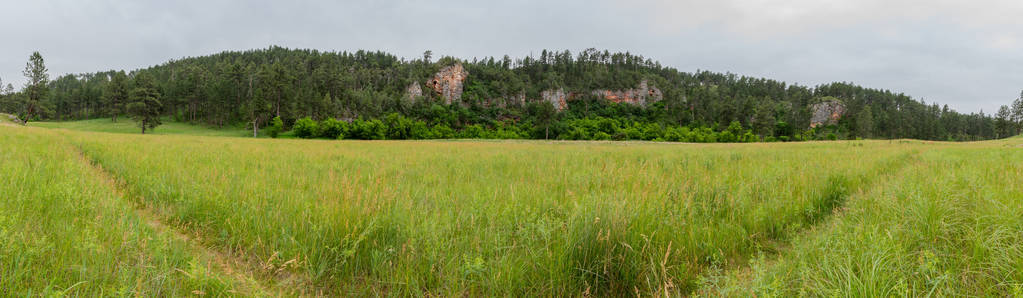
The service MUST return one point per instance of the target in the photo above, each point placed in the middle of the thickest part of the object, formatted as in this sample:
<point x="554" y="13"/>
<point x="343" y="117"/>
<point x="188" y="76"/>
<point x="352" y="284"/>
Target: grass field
<point x="66" y="231"/>
<point x="520" y="218"/>
<point x="130" y="127"/>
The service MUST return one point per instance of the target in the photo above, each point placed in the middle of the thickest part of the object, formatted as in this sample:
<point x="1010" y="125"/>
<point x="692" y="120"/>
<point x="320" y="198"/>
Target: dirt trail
<point x="240" y="270"/>
<point x="885" y="172"/>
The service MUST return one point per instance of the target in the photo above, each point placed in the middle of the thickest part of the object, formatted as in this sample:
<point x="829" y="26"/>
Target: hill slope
<point x="532" y="97"/>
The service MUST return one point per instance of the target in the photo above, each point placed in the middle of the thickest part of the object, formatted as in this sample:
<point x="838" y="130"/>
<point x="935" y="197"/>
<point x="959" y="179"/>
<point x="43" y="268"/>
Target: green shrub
<point x="306" y="128"/>
<point x="474" y="131"/>
<point x="441" y="131"/>
<point x="673" y="135"/>
<point x="368" y="129"/>
<point x="275" y="127"/>
<point x="331" y="128"/>
<point x="652" y="132"/>
<point x="727" y="137"/>
<point x="419" y="131"/>
<point x="749" y="137"/>
<point x="398" y="127"/>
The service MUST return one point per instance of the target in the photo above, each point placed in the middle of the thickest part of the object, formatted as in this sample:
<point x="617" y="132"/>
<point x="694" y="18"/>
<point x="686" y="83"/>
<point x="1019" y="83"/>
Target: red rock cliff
<point x="641" y="96"/>
<point x="447" y="83"/>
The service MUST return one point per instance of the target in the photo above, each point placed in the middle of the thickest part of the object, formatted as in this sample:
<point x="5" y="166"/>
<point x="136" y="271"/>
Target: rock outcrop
<point x="556" y="97"/>
<point x="447" y="83"/>
<point x="826" y="113"/>
<point x="517" y="100"/>
<point x="643" y="95"/>
<point x="413" y="90"/>
<point x="13" y="118"/>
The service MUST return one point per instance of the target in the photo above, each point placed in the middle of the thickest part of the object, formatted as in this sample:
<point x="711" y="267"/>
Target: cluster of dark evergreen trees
<point x="369" y="89"/>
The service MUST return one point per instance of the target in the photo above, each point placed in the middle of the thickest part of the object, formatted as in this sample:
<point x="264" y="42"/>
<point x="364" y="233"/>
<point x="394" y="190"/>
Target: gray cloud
<point x="960" y="53"/>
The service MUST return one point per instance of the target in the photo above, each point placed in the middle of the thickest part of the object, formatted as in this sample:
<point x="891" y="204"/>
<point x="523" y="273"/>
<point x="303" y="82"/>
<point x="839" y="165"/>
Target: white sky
<point x="960" y="53"/>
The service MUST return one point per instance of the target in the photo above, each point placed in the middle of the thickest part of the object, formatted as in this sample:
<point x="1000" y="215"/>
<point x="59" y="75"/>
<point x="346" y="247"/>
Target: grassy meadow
<point x="186" y="212"/>
<point x="951" y="224"/>
<point x="66" y="231"/>
<point x="128" y="126"/>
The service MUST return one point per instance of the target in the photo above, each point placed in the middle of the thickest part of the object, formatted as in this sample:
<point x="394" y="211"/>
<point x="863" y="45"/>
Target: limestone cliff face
<point x="556" y="97"/>
<point x="826" y="113"/>
<point x="447" y="83"/>
<point x="642" y="95"/>
<point x="517" y="100"/>
<point x="413" y="90"/>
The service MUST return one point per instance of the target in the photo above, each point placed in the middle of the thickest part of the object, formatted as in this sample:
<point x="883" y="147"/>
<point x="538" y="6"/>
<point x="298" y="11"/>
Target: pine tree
<point x="8" y="98"/>
<point x="3" y="97"/>
<point x="145" y="107"/>
<point x="865" y="123"/>
<point x="116" y="95"/>
<point x="764" y="120"/>
<point x="36" y="87"/>
<point x="262" y="91"/>
<point x="1003" y="124"/>
<point x="1016" y="114"/>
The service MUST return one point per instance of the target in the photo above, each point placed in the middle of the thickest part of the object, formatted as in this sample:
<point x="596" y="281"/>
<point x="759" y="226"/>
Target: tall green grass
<point x="125" y="125"/>
<point x="492" y="218"/>
<point x="467" y="218"/>
<point x="948" y="225"/>
<point x="63" y="231"/>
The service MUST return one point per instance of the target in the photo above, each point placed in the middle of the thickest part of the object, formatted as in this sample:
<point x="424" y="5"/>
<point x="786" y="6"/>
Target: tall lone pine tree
<point x="36" y="87"/>
<point x="145" y="107"/>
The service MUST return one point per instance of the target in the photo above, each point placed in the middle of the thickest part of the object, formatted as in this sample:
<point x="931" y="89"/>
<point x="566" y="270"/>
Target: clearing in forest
<point x="88" y="213"/>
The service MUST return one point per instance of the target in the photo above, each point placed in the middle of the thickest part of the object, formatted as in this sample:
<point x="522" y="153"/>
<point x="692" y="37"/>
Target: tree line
<point x="364" y="94"/>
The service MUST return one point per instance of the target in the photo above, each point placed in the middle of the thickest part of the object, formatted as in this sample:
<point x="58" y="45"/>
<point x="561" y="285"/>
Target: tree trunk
<point x="255" y="129"/>
<point x="143" y="126"/>
<point x="28" y="114"/>
<point x="278" y="104"/>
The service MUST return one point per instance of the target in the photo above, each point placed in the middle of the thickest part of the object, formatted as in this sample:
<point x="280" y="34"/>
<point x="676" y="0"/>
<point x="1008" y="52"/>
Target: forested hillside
<point x="558" y="95"/>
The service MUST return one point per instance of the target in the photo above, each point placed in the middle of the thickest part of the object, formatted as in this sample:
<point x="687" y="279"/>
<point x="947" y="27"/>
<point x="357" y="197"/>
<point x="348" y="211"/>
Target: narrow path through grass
<point x="249" y="285"/>
<point x="835" y="193"/>
<point x="240" y="268"/>
<point x="947" y="224"/>
<point x="64" y="233"/>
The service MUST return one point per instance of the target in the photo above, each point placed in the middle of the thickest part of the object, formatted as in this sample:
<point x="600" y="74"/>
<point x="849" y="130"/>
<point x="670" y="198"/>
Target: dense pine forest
<point x="591" y="95"/>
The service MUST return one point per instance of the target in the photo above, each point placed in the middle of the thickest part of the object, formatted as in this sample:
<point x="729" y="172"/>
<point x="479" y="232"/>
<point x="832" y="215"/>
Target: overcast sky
<point x="966" y="54"/>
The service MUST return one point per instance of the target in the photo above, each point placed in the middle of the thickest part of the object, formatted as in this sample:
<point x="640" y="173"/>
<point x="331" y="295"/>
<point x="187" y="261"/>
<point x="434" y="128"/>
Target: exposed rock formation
<point x="558" y="98"/>
<point x="447" y="83"/>
<point x="413" y="90"/>
<point x="826" y="113"/>
<point x="13" y="118"/>
<point x="641" y="96"/>
<point x="517" y="100"/>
